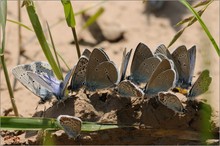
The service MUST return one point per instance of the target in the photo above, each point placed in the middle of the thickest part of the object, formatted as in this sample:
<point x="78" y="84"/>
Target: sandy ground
<point x="137" y="25"/>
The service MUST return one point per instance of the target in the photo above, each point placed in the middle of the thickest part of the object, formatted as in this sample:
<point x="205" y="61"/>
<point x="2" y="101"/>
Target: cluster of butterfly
<point x="150" y="75"/>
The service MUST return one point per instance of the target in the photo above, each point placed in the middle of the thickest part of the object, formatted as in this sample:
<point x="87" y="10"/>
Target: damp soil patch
<point x="154" y="123"/>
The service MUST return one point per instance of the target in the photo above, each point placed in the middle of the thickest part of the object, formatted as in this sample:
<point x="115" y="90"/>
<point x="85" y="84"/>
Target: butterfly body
<point x="51" y="84"/>
<point x="57" y="87"/>
<point x="55" y="84"/>
<point x="40" y="67"/>
<point x="124" y="64"/>
<point x="192" y="60"/>
<point x="182" y="62"/>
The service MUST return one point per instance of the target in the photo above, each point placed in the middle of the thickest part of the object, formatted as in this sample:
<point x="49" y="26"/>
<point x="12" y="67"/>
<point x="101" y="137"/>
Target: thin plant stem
<point x="19" y="40"/>
<point x="9" y="85"/>
<point x="76" y="41"/>
<point x="2" y="58"/>
<point x="63" y="60"/>
<point x="184" y="2"/>
<point x="53" y="46"/>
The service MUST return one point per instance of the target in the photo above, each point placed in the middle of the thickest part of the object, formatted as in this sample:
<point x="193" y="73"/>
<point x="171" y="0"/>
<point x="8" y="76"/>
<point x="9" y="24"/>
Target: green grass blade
<point x="200" y="12"/>
<point x="191" y="19"/>
<point x="184" y="21"/>
<point x="194" y="18"/>
<point x="177" y="35"/>
<point x="93" y="18"/>
<point x="184" y="2"/>
<point x="90" y="7"/>
<point x="36" y="123"/>
<point x="76" y="41"/>
<point x="202" y="3"/>
<point x="3" y="17"/>
<point x="91" y="126"/>
<point x="53" y="46"/>
<point x="63" y="61"/>
<point x="19" y="23"/>
<point x="70" y="19"/>
<point x="41" y="38"/>
<point x="13" y="123"/>
<point x="69" y="14"/>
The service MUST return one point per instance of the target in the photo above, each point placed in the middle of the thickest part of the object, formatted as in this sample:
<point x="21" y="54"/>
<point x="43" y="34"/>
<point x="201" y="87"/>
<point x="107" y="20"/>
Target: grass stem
<point x="184" y="2"/>
<point x="9" y="85"/>
<point x="19" y="40"/>
<point x="76" y="41"/>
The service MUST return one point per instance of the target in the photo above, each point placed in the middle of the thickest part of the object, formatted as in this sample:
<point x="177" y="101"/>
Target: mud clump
<point x="155" y="123"/>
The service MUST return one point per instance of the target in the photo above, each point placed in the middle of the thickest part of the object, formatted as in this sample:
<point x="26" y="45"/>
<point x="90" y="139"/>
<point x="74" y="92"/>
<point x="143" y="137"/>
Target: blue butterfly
<point x="124" y="64"/>
<point x="20" y="73"/>
<point x="143" y="64"/>
<point x="184" y="61"/>
<point x="56" y="87"/>
<point x="200" y="86"/>
<point x="162" y="79"/>
<point x="101" y="73"/>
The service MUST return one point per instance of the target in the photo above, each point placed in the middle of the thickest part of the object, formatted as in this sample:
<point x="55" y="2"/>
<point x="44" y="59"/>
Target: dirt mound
<point x="155" y="123"/>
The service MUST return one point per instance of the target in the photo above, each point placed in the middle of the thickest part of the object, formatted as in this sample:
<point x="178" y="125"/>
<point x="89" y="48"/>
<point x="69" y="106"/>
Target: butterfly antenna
<point x="43" y="115"/>
<point x="138" y="98"/>
<point x="58" y="102"/>
<point x="145" y="87"/>
<point x="36" y="107"/>
<point x="104" y="111"/>
<point x="78" y="139"/>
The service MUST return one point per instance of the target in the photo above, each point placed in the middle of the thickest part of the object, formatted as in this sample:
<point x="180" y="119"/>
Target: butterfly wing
<point x="200" y="86"/>
<point x="162" y="66"/>
<point x="145" y="70"/>
<point x="127" y="89"/>
<point x="141" y="53"/>
<point x="20" y="73"/>
<point x="50" y="83"/>
<point x="181" y="60"/>
<point x="124" y="64"/>
<point x="71" y="125"/>
<point x="171" y="101"/>
<point x="162" y="82"/>
<point x="162" y="49"/>
<point x="79" y="76"/>
<point x="105" y="75"/>
<point x="192" y="61"/>
<point x="86" y="53"/>
<point x="161" y="56"/>
<point x="164" y="53"/>
<point x="63" y="85"/>
<point x="97" y="56"/>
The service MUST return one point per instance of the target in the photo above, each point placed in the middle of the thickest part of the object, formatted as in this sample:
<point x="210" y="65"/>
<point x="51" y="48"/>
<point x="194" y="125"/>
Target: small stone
<point x="113" y="32"/>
